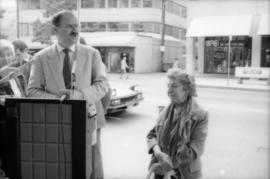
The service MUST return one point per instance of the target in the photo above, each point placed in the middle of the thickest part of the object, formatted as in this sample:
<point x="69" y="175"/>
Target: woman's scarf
<point x="173" y="134"/>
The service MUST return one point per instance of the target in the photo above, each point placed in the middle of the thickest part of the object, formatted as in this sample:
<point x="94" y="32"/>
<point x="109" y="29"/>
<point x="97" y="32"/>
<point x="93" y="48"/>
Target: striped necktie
<point x="66" y="69"/>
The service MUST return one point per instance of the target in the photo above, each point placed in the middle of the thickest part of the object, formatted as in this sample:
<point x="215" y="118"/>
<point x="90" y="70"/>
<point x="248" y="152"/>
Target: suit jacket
<point x="188" y="161"/>
<point x="46" y="79"/>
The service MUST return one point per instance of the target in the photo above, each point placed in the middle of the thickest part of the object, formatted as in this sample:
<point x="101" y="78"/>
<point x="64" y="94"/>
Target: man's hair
<point x="56" y="19"/>
<point x="19" y="44"/>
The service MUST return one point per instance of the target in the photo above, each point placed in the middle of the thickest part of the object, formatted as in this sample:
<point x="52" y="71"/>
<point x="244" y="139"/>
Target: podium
<point x="47" y="139"/>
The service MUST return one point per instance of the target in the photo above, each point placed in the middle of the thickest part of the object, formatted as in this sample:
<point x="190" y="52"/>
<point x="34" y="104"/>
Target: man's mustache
<point x="74" y="33"/>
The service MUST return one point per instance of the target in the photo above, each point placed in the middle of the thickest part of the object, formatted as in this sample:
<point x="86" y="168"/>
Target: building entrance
<point x="111" y="57"/>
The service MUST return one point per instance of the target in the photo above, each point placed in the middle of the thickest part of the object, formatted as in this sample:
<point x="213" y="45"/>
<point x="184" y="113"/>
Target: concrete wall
<point x="143" y="55"/>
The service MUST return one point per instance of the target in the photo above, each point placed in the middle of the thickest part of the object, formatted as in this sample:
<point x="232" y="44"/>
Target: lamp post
<point x="79" y="2"/>
<point x="229" y="59"/>
<point x="17" y="19"/>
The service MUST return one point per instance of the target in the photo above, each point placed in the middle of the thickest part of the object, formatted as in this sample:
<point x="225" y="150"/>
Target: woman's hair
<point x="185" y="79"/>
<point x="5" y="44"/>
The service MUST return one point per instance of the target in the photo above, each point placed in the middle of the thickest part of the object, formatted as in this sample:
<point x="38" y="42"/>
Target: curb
<point x="233" y="88"/>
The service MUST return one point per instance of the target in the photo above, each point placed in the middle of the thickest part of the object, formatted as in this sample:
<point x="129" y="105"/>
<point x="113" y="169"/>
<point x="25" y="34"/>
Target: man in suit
<point x="53" y="67"/>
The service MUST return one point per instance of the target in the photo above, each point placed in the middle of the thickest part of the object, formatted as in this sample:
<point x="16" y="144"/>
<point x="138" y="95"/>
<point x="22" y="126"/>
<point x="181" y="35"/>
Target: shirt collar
<point x="60" y="48"/>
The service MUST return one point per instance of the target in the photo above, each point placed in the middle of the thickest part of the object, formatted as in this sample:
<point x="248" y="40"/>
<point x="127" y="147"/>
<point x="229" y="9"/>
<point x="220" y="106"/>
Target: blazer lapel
<point x="80" y="66"/>
<point x="53" y="63"/>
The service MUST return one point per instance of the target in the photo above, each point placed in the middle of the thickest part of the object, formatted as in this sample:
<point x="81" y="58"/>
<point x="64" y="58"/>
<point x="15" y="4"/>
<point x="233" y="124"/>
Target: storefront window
<point x="147" y="3"/>
<point x="122" y="26"/>
<point x="216" y="54"/>
<point x="100" y="3"/>
<point x="88" y="3"/>
<point x="265" y="51"/>
<point x="136" y="3"/>
<point x="123" y="3"/>
<point x="112" y="3"/>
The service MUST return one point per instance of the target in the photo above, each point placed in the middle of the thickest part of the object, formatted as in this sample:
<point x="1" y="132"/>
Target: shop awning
<point x="109" y="39"/>
<point x="234" y="25"/>
<point x="264" y="25"/>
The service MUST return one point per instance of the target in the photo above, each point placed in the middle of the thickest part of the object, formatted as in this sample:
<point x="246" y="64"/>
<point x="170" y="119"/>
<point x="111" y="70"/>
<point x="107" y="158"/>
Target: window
<point x="35" y="4"/>
<point x="123" y="3"/>
<point x="136" y="3"/>
<point x="88" y="3"/>
<point x="29" y="4"/>
<point x="157" y="28"/>
<point x="93" y="27"/>
<point x="100" y="3"/>
<point x="112" y="3"/>
<point x="148" y="27"/>
<point x="23" y="4"/>
<point x="113" y="26"/>
<point x="184" y="11"/>
<point x="122" y="26"/>
<point x="24" y="29"/>
<point x="137" y="27"/>
<point x="147" y="3"/>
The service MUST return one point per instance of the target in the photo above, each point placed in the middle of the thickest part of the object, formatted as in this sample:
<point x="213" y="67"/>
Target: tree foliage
<point x="42" y="30"/>
<point x="2" y="36"/>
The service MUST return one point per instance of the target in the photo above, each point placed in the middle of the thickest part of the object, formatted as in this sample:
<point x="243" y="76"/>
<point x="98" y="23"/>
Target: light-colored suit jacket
<point x="46" y="79"/>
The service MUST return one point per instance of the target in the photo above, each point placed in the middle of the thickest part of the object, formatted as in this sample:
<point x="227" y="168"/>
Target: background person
<point x="7" y="55"/>
<point x="124" y="66"/>
<point x="177" y="140"/>
<point x="50" y="75"/>
<point x="22" y="58"/>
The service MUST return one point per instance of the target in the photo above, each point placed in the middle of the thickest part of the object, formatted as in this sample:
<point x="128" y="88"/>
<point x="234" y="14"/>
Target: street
<point x="238" y="135"/>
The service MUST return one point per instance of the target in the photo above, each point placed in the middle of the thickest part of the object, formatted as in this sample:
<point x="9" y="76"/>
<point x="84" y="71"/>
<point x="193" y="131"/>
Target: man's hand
<point x="6" y="70"/>
<point x="71" y="94"/>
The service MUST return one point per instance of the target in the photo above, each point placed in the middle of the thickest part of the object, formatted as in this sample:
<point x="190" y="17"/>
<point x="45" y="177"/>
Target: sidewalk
<point x="232" y="83"/>
<point x="203" y="81"/>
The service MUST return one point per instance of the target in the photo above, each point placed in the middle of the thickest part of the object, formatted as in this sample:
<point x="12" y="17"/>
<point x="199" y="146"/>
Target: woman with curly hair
<point x="177" y="140"/>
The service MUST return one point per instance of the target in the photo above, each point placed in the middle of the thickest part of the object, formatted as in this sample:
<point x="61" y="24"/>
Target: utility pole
<point x="162" y="46"/>
<point x="18" y="19"/>
<point x="79" y="2"/>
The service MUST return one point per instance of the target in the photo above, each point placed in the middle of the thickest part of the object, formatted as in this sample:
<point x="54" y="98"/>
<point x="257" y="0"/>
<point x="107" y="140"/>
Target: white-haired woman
<point x="177" y="140"/>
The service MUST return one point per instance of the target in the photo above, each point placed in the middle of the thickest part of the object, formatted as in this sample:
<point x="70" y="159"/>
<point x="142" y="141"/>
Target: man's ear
<point x="54" y="30"/>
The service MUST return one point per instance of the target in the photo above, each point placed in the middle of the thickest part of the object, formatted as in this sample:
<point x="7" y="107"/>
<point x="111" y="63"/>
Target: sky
<point x="8" y="4"/>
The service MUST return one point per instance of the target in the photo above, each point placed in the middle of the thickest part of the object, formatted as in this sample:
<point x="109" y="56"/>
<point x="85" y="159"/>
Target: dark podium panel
<point x="47" y="139"/>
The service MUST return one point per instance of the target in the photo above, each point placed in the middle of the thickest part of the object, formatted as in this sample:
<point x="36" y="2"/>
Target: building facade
<point x="129" y="28"/>
<point x="212" y="23"/>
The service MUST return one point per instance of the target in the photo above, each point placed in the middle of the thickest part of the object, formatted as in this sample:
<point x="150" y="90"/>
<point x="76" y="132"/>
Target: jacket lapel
<point x="53" y="63"/>
<point x="80" y="66"/>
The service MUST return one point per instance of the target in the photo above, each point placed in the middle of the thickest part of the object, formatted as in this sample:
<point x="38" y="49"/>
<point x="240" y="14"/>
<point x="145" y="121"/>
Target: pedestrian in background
<point x="176" y="63"/>
<point x="124" y="67"/>
<point x="177" y="140"/>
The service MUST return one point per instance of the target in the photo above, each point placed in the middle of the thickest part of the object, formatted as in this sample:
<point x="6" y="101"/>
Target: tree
<point x="42" y="30"/>
<point x="2" y="36"/>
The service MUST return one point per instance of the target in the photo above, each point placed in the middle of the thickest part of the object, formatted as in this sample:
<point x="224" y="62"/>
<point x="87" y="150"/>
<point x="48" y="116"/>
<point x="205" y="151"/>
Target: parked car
<point x="123" y="97"/>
